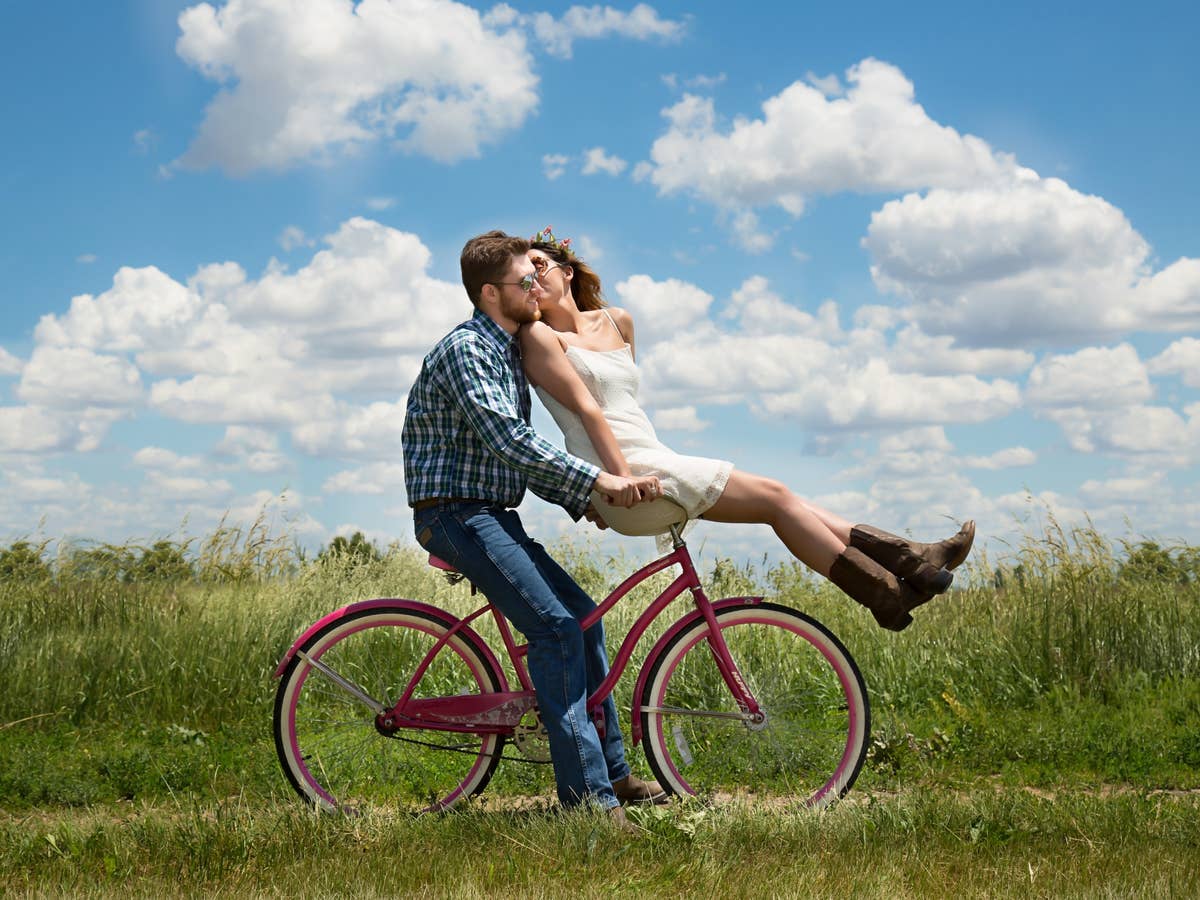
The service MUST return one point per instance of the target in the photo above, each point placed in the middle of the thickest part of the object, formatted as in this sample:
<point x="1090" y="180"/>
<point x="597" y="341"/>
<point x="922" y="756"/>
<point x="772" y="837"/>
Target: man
<point x="469" y="454"/>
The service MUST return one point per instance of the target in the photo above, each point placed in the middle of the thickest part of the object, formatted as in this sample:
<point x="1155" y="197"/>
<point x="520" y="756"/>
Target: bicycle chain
<point x="503" y="738"/>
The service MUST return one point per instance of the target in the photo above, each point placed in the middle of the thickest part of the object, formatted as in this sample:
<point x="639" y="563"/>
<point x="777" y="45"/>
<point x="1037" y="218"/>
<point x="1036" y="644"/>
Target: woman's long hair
<point x="585" y="284"/>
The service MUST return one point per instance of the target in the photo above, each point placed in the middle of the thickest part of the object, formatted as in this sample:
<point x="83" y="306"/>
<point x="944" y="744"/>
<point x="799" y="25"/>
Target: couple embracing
<point x="470" y="454"/>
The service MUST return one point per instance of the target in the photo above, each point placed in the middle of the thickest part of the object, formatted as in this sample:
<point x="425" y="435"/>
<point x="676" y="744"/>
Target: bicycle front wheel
<point x="326" y="738"/>
<point x="812" y="742"/>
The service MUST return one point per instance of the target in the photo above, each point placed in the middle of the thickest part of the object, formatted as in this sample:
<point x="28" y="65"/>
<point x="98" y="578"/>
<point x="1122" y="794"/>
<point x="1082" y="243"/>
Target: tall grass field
<point x="1036" y="732"/>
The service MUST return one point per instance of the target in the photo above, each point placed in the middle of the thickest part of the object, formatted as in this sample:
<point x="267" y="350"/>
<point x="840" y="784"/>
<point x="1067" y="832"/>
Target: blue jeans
<point x="566" y="664"/>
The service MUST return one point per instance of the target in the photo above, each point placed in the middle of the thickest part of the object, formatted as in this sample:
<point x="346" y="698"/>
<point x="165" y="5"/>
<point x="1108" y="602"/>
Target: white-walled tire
<point x="813" y="741"/>
<point x="327" y="741"/>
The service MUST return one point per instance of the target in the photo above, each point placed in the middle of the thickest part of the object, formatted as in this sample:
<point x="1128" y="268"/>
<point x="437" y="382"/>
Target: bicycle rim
<point x="813" y="741"/>
<point x="326" y="739"/>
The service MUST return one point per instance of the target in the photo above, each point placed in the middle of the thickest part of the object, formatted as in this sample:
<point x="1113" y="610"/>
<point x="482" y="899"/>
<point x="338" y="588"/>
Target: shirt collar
<point x="485" y="324"/>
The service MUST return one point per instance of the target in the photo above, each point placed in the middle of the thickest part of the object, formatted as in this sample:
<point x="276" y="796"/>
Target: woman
<point x="580" y="357"/>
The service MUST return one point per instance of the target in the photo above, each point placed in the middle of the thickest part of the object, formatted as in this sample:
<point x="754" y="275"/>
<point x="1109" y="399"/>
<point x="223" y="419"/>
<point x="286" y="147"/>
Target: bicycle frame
<point x="501" y="711"/>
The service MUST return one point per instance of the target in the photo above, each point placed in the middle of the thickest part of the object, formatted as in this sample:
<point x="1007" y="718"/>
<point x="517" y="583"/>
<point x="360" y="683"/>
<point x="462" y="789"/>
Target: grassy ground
<point x="985" y="841"/>
<point x="1036" y="733"/>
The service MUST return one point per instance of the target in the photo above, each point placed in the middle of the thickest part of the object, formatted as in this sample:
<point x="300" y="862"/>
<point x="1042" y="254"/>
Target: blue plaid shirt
<point x="467" y="433"/>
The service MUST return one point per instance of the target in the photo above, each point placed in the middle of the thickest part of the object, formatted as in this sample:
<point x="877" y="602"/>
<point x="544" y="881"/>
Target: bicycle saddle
<point x="439" y="563"/>
<point x="645" y="519"/>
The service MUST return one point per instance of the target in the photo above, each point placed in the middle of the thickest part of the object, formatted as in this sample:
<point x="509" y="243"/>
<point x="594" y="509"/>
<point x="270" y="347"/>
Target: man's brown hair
<point x="485" y="260"/>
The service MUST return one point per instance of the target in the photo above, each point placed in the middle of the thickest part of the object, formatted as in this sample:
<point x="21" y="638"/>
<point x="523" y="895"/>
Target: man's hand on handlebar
<point x="627" y="491"/>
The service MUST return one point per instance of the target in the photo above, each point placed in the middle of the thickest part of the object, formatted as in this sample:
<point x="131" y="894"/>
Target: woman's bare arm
<point x="547" y="367"/>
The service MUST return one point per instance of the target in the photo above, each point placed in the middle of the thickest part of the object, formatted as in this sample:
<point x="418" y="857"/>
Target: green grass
<point x="1035" y="733"/>
<point x="985" y="842"/>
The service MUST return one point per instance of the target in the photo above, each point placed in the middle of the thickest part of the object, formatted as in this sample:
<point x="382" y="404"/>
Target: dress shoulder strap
<point x="613" y="322"/>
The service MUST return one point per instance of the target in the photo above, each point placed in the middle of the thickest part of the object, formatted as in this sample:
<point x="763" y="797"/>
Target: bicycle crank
<point x="531" y="738"/>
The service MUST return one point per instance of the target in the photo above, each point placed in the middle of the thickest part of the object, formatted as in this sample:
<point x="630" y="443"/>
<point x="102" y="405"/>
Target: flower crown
<point x="546" y="236"/>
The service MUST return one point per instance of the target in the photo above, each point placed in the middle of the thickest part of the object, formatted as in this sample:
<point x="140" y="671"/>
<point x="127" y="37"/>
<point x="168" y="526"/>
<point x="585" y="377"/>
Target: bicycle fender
<point x="685" y="622"/>
<point x="437" y="612"/>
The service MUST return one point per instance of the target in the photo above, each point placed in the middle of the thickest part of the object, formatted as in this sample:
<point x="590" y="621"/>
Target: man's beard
<point x="520" y="313"/>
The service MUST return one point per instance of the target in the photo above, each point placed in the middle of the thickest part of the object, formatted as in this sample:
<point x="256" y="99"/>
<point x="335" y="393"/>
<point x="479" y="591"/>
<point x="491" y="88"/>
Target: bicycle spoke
<point x="326" y="735"/>
<point x="810" y="741"/>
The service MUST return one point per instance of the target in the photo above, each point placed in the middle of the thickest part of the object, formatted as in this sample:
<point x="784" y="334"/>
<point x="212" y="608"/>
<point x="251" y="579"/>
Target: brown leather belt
<point x="442" y="501"/>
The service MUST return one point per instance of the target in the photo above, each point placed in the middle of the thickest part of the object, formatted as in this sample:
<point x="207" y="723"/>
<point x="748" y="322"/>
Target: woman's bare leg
<point x="754" y="499"/>
<point x="835" y="523"/>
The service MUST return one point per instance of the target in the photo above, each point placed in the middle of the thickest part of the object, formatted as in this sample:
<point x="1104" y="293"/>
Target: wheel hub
<point x="756" y="721"/>
<point x="385" y="724"/>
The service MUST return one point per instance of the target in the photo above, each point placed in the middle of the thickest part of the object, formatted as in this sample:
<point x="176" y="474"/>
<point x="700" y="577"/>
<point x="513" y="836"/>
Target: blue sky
<point x="921" y="262"/>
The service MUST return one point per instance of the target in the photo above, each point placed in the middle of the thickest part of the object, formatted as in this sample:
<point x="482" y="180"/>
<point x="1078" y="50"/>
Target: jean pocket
<point x="430" y="532"/>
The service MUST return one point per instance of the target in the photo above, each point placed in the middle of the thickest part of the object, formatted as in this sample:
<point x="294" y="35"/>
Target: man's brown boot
<point x="632" y="789"/>
<point x="888" y="599"/>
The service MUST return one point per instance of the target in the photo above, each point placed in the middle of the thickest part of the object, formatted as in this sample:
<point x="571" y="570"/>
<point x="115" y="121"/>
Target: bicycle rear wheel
<point x="814" y="738"/>
<point x="326" y="738"/>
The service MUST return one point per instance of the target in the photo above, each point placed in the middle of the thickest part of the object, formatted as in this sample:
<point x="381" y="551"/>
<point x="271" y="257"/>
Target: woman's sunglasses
<point x="544" y="265"/>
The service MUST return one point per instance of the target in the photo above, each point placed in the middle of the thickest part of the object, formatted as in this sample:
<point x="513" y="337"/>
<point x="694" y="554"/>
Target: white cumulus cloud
<point x="9" y="364"/>
<point x="77" y="377"/>
<point x="1007" y="458"/>
<point x="597" y="161"/>
<point x="662" y="308"/>
<point x="1031" y="262"/>
<point x="254" y="449"/>
<point x="371" y="431"/>
<point x="786" y="362"/>
<point x="280" y="351"/>
<point x="1182" y="358"/>
<point x="980" y="248"/>
<point x="162" y="459"/>
<point x="915" y="351"/>
<point x="292" y="237"/>
<point x="874" y="138"/>
<point x="301" y="81"/>
<point x="557" y="36"/>
<point x="554" y="165"/>
<point x="374" y="479"/>
<point x="680" y="418"/>
<point x="1100" y="377"/>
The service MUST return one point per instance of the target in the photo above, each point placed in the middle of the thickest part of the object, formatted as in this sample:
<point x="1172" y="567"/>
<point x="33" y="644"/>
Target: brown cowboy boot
<point x="632" y="789"/>
<point x="865" y="580"/>
<point x="926" y="567"/>
<point x="897" y="556"/>
<point x="950" y="553"/>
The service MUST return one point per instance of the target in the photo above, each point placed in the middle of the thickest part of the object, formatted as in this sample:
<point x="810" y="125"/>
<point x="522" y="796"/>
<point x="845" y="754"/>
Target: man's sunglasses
<point x="525" y="284"/>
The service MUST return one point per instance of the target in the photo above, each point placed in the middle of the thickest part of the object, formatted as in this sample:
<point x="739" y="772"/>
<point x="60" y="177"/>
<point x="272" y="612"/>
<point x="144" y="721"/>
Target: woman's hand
<point x="626" y="492"/>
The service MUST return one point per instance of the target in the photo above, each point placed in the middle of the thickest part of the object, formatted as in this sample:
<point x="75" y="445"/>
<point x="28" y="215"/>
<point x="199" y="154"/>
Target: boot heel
<point x="928" y="580"/>
<point x="893" y="622"/>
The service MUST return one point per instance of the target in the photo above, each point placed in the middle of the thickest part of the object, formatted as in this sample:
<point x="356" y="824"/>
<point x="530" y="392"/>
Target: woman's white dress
<point x="693" y="482"/>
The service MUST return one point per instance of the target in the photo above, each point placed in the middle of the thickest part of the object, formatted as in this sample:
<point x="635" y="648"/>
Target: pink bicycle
<point x="400" y="703"/>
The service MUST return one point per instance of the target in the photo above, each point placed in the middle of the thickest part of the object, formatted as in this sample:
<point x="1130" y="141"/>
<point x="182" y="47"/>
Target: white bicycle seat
<point x="649" y="518"/>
